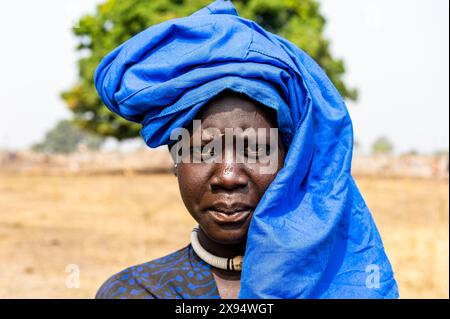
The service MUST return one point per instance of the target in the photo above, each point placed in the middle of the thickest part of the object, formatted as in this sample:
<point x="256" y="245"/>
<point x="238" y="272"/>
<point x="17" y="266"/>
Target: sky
<point x="396" y="53"/>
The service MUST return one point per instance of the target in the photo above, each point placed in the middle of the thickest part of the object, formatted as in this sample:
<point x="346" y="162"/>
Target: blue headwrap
<point x="311" y="235"/>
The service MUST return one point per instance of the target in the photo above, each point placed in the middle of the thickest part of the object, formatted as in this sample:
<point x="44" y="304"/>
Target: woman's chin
<point x="227" y="234"/>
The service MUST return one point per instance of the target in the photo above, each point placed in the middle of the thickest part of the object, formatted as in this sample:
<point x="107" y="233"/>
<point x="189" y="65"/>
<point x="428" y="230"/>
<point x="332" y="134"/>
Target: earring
<point x="175" y="166"/>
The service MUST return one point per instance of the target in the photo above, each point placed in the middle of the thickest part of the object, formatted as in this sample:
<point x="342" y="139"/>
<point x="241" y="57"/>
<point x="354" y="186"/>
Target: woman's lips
<point x="229" y="217"/>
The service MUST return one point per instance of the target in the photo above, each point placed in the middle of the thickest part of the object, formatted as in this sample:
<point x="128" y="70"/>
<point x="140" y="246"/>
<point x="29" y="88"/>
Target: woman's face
<point x="222" y="196"/>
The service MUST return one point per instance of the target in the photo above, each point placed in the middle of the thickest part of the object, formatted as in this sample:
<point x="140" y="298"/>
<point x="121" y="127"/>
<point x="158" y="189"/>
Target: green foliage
<point x="65" y="138"/>
<point x="412" y="152"/>
<point x="115" y="21"/>
<point x="382" y="146"/>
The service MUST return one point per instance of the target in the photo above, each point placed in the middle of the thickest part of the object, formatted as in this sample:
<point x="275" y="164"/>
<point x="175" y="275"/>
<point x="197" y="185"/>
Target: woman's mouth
<point x="229" y="215"/>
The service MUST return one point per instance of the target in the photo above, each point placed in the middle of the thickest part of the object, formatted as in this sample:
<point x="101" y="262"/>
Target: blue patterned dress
<point x="180" y="275"/>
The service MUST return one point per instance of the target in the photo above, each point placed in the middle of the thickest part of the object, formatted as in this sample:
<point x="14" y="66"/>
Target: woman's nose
<point x="228" y="177"/>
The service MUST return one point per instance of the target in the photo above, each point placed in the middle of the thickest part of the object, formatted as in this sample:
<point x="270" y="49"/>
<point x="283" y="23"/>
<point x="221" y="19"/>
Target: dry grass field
<point x="103" y="224"/>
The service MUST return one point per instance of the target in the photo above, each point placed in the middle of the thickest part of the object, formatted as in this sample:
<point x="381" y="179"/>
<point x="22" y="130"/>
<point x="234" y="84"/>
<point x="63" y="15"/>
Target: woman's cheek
<point x="191" y="184"/>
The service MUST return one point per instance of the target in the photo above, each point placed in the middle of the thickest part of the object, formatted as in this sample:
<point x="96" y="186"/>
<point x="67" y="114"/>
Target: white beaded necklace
<point x="215" y="261"/>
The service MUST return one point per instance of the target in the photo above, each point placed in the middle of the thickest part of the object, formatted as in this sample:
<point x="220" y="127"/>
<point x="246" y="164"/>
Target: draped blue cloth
<point x="311" y="235"/>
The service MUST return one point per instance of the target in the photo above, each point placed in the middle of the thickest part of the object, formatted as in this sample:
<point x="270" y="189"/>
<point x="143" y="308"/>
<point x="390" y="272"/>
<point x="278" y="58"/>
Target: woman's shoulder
<point x="145" y="280"/>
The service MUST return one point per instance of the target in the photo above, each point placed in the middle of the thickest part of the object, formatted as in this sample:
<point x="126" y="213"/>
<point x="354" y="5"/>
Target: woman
<point x="221" y="197"/>
<point x="298" y="230"/>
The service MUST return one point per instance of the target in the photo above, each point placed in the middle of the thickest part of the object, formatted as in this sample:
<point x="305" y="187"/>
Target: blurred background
<point x="82" y="197"/>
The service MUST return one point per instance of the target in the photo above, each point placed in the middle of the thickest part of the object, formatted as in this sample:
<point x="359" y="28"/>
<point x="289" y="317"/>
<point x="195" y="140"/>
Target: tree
<point x="382" y="146"/>
<point x="65" y="138"/>
<point x="115" y="21"/>
<point x="412" y="152"/>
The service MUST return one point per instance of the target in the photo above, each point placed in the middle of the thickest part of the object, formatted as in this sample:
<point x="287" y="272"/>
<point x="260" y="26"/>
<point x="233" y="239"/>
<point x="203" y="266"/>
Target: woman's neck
<point x="222" y="250"/>
<point x="218" y="249"/>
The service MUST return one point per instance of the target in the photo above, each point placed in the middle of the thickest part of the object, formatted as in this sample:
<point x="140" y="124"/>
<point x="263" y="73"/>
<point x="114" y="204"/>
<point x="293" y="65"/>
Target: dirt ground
<point x="52" y="228"/>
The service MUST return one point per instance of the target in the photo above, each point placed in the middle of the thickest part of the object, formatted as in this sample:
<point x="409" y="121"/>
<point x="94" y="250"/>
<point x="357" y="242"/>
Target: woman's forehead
<point x="232" y="110"/>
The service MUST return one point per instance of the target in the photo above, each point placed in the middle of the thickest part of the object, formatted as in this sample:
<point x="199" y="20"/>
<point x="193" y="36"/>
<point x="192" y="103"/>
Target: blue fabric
<point x="179" y="275"/>
<point x="312" y="235"/>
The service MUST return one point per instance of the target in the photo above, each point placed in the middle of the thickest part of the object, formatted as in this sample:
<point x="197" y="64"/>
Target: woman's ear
<point x="175" y="165"/>
<point x="175" y="169"/>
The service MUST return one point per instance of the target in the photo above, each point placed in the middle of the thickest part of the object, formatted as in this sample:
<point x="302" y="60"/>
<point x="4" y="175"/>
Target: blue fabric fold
<point x="312" y="235"/>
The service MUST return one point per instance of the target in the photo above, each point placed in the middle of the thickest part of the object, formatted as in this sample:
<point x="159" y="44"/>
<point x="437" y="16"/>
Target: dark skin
<point x="212" y="192"/>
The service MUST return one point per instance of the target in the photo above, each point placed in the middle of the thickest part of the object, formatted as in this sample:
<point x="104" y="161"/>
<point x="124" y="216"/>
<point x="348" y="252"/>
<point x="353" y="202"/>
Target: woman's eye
<point x="208" y="151"/>
<point x="257" y="151"/>
<point x="201" y="153"/>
